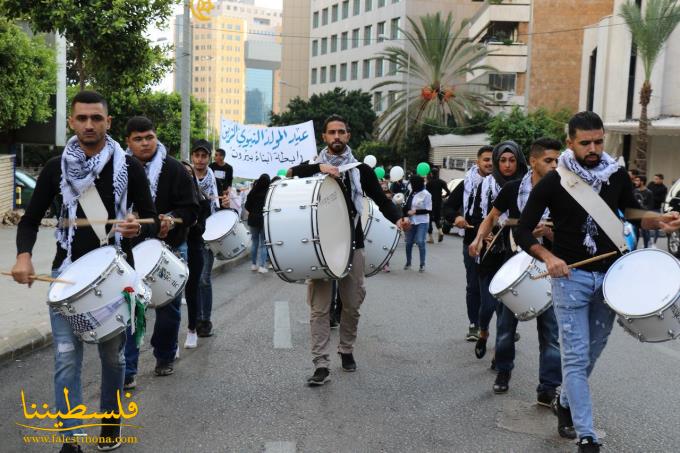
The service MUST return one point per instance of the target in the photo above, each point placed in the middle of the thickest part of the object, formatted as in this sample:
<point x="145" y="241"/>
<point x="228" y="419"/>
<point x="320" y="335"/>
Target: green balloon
<point x="380" y="172"/>
<point x="282" y="172"/>
<point x="423" y="169"/>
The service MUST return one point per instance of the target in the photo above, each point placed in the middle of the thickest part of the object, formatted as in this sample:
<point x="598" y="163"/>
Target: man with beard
<point x="171" y="190"/>
<point x="464" y="197"/>
<point x="584" y="319"/>
<point x="511" y="201"/>
<point x="357" y="182"/>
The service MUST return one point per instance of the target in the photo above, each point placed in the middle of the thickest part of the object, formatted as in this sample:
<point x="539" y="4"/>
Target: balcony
<point x="507" y="11"/>
<point x="511" y="58"/>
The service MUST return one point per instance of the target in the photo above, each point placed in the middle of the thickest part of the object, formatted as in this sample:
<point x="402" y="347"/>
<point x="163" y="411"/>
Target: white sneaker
<point x="253" y="267"/>
<point x="263" y="270"/>
<point x="191" y="341"/>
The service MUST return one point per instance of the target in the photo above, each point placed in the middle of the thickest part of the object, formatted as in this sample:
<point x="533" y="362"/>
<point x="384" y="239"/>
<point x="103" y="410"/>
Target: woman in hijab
<point x="418" y="207"/>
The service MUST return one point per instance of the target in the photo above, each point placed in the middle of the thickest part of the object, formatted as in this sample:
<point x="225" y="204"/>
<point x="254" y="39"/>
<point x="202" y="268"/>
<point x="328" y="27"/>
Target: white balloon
<point x="370" y="160"/>
<point x="396" y="173"/>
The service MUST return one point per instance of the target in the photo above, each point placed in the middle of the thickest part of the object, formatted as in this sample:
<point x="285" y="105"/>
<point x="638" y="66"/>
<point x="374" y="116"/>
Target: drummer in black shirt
<point x="511" y="200"/>
<point x="84" y="159"/>
<point x="336" y="134"/>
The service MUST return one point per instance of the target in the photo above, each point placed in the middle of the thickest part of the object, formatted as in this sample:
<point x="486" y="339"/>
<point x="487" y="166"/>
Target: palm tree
<point x="442" y="59"/>
<point x="649" y="36"/>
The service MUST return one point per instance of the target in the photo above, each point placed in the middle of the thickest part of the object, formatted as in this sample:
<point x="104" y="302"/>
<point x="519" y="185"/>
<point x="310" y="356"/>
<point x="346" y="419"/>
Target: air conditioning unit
<point x="501" y="97"/>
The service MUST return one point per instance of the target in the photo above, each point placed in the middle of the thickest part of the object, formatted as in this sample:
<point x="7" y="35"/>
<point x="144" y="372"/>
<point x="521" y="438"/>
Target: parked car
<point x="672" y="203"/>
<point x="27" y="184"/>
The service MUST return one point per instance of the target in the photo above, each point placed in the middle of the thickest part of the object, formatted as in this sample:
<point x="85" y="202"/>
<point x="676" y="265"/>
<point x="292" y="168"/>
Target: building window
<point x="345" y="9"/>
<point x="394" y="28"/>
<point x="334" y="13"/>
<point x="323" y="75"/>
<point x="380" y="32"/>
<point x="314" y="76"/>
<point x="367" y="69"/>
<point x="381" y="3"/>
<point x="502" y="82"/>
<point x="334" y="73"/>
<point x="378" y="67"/>
<point x="355" y="38"/>
<point x="324" y="16"/>
<point x="355" y="70"/>
<point x="324" y="46"/>
<point x="367" y="34"/>
<point x="377" y="101"/>
<point x="368" y="5"/>
<point x="393" y="68"/>
<point x="391" y="98"/>
<point x="343" y="72"/>
<point x="315" y="48"/>
<point x="344" y="38"/>
<point x="334" y="43"/>
<point x="357" y="8"/>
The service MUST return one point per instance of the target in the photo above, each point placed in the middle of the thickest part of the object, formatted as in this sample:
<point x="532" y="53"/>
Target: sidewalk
<point x="25" y="324"/>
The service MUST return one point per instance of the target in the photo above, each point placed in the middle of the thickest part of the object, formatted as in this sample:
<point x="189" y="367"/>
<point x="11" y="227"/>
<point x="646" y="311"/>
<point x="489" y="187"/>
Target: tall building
<point x="346" y="35"/>
<point x="295" y="50"/>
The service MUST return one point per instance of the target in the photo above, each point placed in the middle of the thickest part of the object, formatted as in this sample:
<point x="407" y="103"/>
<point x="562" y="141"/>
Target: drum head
<point x="369" y="206"/>
<point x="146" y="255"/>
<point x="84" y="271"/>
<point x="510" y="272"/>
<point x="219" y="224"/>
<point x="642" y="282"/>
<point x="335" y="230"/>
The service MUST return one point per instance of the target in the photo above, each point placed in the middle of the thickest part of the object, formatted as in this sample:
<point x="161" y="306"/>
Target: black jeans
<point x="191" y="290"/>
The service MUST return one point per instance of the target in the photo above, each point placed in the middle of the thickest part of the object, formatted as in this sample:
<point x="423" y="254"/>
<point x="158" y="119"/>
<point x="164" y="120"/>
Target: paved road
<point x="418" y="388"/>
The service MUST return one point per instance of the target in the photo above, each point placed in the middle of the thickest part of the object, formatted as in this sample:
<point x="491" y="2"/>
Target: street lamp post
<point x="208" y="126"/>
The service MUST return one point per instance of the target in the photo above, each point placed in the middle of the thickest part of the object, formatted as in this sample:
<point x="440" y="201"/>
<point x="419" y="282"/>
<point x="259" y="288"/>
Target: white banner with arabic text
<point x="255" y="150"/>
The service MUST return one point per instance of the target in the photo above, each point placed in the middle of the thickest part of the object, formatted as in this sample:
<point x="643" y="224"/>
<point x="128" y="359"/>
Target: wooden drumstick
<point x="579" y="264"/>
<point x="514" y="222"/>
<point x="493" y="241"/>
<point x="43" y="278"/>
<point x="88" y="222"/>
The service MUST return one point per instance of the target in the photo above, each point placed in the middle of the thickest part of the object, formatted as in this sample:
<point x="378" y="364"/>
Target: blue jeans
<point x="258" y="251"/>
<point x="205" y="287"/>
<point x="68" y="362"/>
<point x="416" y="234"/>
<point x="585" y="323"/>
<point x="165" y="332"/>
<point x="488" y="304"/>
<point x="472" y="297"/>
<point x="549" y="363"/>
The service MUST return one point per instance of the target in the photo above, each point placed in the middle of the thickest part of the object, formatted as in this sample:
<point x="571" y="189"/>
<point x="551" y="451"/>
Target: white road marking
<point x="280" y="447"/>
<point x="282" y="336"/>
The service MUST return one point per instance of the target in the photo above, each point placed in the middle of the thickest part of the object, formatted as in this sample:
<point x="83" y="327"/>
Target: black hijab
<point x="508" y="146"/>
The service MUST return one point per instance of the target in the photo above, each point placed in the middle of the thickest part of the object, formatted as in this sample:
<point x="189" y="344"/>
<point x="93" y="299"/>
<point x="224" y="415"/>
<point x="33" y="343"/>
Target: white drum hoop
<point x="372" y="207"/>
<point x="149" y="278"/>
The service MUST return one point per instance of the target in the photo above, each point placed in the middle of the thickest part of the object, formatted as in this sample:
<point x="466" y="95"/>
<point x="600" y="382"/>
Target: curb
<point x="31" y="339"/>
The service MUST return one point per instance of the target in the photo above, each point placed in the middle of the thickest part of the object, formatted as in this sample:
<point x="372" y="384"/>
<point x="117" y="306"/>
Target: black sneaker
<point x="164" y="369"/>
<point x="473" y="333"/>
<point x="588" y="445"/>
<point x="492" y="367"/>
<point x="545" y="398"/>
<point x="71" y="448"/>
<point x="109" y="438"/>
<point x="320" y="377"/>
<point x="502" y="381"/>
<point x="565" y="425"/>
<point x="130" y="383"/>
<point x="517" y="337"/>
<point x="348" y="363"/>
<point x="204" y="329"/>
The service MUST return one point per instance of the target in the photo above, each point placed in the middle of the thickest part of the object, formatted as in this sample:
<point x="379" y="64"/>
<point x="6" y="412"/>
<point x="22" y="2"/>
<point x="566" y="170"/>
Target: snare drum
<point x="94" y="305"/>
<point x="513" y="286"/>
<point x="380" y="238"/>
<point x="307" y="228"/>
<point x="225" y="235"/>
<point x="163" y="271"/>
<point x="643" y="288"/>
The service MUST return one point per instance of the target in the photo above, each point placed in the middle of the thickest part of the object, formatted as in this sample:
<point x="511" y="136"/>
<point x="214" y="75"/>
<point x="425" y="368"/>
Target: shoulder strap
<point x="94" y="208"/>
<point x="594" y="205"/>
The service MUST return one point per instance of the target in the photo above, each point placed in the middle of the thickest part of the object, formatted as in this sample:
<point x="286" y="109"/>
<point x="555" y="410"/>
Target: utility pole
<point x="185" y="73"/>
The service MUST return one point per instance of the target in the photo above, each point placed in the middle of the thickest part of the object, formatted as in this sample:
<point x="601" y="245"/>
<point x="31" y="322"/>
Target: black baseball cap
<point x="202" y="144"/>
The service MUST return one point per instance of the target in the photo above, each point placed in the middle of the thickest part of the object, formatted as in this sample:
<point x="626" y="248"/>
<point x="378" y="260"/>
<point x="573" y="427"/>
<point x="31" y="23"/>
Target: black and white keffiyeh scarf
<point x="490" y="190"/>
<point x="523" y="195"/>
<point x="208" y="187"/>
<point x="594" y="177"/>
<point x="78" y="174"/>
<point x="326" y="157"/>
<point x="470" y="185"/>
<point x="153" y="167"/>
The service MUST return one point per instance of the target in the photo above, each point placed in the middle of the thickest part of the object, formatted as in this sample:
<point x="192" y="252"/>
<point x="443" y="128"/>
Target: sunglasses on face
<point x="599" y="141"/>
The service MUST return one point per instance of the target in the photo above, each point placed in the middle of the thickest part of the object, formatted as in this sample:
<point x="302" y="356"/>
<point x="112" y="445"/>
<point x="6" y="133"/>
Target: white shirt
<point x="421" y="200"/>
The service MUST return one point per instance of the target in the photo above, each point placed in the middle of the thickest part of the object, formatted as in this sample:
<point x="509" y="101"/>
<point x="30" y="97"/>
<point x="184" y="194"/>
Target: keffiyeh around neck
<point x="594" y="177"/>
<point x="208" y="187"/>
<point x="525" y="188"/>
<point x="326" y="157"/>
<point x="78" y="174"/>
<point x="470" y="184"/>
<point x="490" y="190"/>
<point x="153" y="167"/>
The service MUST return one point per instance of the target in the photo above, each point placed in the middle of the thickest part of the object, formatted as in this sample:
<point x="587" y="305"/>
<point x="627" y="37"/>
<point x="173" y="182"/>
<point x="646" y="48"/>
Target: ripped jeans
<point x="585" y="322"/>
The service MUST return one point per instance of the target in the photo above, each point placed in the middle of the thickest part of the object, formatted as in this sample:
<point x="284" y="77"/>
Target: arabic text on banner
<point x="256" y="150"/>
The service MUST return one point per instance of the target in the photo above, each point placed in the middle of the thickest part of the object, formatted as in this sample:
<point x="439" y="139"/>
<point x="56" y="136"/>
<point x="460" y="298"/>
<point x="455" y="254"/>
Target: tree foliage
<point x="416" y="145"/>
<point x="526" y="128"/>
<point x="354" y="106"/>
<point x="385" y="154"/>
<point x="443" y="57"/>
<point x="27" y="79"/>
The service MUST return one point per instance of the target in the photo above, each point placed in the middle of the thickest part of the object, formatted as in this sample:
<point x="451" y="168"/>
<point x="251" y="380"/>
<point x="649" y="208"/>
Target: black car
<point x="672" y="203"/>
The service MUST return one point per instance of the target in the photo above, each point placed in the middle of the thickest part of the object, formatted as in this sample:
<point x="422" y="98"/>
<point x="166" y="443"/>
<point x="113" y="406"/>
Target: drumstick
<point x="493" y="241"/>
<point x="639" y="214"/>
<point x="578" y="264"/>
<point x="88" y="222"/>
<point x="515" y="222"/>
<point x="43" y="278"/>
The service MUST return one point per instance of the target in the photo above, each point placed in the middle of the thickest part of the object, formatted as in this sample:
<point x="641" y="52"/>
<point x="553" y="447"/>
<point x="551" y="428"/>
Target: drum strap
<point x="94" y="208"/>
<point x="594" y="205"/>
